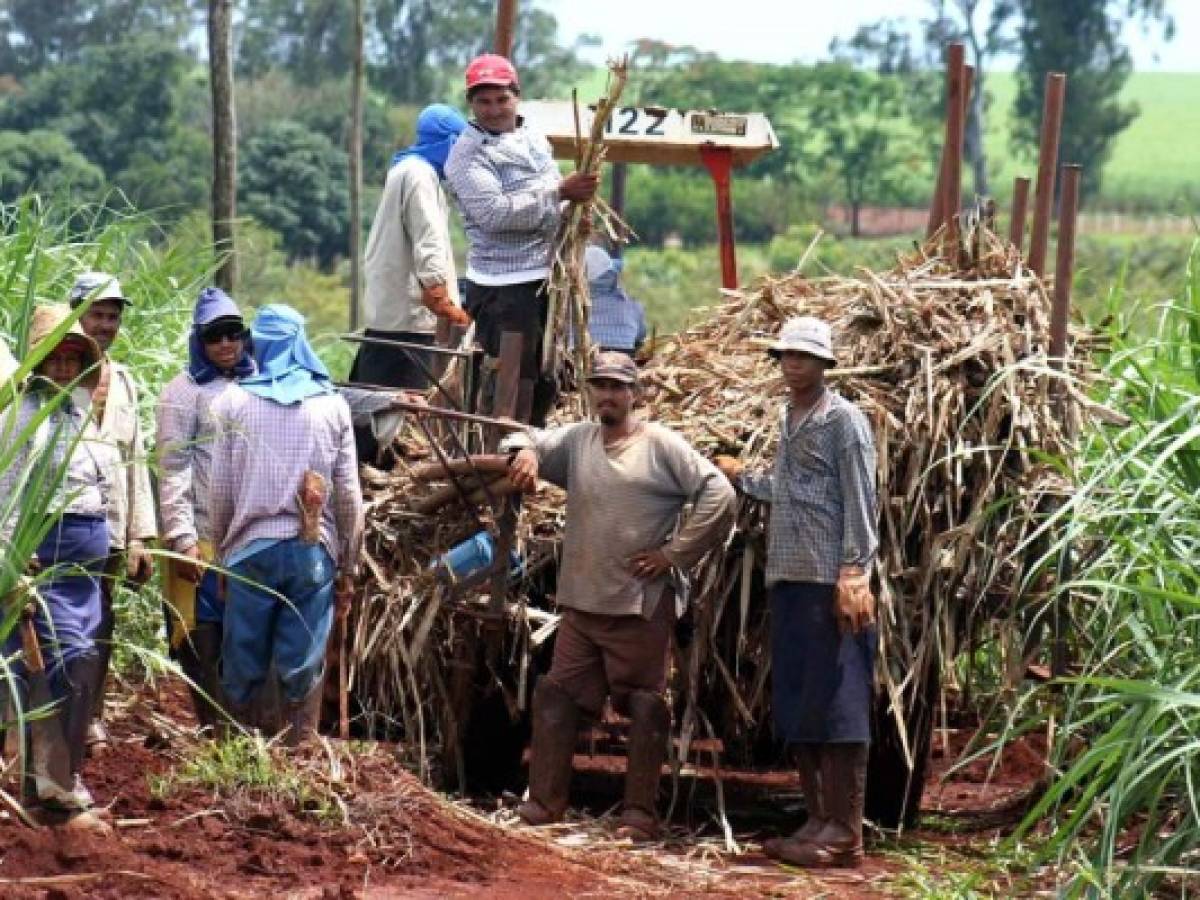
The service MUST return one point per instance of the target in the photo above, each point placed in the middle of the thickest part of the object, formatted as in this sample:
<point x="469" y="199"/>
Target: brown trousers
<point x="597" y="656"/>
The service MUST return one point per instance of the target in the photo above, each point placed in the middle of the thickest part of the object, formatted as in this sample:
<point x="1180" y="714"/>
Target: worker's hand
<point x="139" y="567"/>
<point x="854" y="604"/>
<point x="408" y="398"/>
<point x="33" y="566"/>
<point x="649" y="564"/>
<point x="729" y="466"/>
<point x="437" y="300"/>
<point x="578" y="187"/>
<point x="192" y="568"/>
<point x="343" y="596"/>
<point x="523" y="470"/>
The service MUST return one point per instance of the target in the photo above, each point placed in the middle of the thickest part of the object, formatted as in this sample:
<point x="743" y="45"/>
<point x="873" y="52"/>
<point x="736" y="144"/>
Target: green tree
<point x="113" y="103"/>
<point x="1081" y="38"/>
<point x="295" y="181"/>
<point x="35" y="34"/>
<point x="856" y="121"/>
<point x="47" y="161"/>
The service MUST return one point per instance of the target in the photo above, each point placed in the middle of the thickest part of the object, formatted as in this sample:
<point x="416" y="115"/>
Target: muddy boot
<point x="98" y="739"/>
<point x="82" y="675"/>
<point x="200" y="657"/>
<point x="808" y="765"/>
<point x="843" y="781"/>
<point x="303" y="716"/>
<point x="555" y="725"/>
<point x="649" y="729"/>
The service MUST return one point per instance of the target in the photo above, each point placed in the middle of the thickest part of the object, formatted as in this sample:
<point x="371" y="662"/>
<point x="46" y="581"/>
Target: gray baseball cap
<point x="615" y="366"/>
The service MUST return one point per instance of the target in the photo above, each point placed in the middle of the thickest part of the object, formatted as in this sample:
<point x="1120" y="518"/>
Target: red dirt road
<point x="402" y="840"/>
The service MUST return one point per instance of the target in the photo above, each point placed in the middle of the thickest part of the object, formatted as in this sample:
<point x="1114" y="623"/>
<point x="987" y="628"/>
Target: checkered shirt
<point x="506" y="187"/>
<point x="822" y="494"/>
<point x="261" y="452"/>
<point x="184" y="442"/>
<point x="617" y="322"/>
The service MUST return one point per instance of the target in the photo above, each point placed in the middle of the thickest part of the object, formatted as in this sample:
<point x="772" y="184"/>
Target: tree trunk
<point x="356" y="178"/>
<point x="974" y="134"/>
<point x="855" y="209"/>
<point x="224" y="127"/>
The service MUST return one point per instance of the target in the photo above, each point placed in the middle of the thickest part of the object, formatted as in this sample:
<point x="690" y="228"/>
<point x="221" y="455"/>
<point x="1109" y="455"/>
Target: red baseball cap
<point x="491" y="69"/>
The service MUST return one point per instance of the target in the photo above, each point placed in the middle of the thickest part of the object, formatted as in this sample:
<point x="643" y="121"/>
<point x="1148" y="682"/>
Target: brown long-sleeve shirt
<point x="626" y="498"/>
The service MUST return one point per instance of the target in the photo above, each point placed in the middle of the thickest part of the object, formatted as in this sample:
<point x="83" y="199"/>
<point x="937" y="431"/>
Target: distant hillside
<point x="1156" y="161"/>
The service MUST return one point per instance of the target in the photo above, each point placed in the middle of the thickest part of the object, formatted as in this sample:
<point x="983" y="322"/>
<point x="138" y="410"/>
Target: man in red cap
<point x="508" y="188"/>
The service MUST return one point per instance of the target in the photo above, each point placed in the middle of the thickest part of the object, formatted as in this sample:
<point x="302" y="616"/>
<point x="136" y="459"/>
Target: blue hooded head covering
<point x="213" y="304"/>
<point x="438" y="127"/>
<point x="288" y="369"/>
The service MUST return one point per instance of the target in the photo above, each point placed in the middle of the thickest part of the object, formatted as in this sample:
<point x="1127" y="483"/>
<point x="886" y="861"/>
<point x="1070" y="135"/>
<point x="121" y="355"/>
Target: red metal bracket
<point x="719" y="162"/>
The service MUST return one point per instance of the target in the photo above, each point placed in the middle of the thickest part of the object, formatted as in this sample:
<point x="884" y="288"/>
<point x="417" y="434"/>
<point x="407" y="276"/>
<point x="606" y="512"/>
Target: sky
<point x="780" y="31"/>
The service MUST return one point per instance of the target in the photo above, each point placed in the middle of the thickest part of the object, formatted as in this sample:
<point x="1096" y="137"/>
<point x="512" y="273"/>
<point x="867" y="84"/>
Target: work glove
<point x="437" y="300"/>
<point x="854" y="604"/>
<point x="731" y="467"/>
<point x="139" y="568"/>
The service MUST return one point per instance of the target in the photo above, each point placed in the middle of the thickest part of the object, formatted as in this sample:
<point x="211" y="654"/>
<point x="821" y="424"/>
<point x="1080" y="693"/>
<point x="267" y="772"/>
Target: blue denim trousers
<point x="279" y="608"/>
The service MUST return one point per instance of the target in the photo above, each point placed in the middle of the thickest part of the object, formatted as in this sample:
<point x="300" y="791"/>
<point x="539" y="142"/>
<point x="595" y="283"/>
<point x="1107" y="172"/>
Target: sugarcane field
<point x="530" y="449"/>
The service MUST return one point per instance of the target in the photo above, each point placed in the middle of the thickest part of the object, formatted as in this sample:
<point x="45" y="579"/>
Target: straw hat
<point x="46" y="319"/>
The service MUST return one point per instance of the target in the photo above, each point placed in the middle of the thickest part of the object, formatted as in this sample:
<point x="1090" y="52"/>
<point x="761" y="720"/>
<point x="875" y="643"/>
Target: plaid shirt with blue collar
<point x="822" y="494"/>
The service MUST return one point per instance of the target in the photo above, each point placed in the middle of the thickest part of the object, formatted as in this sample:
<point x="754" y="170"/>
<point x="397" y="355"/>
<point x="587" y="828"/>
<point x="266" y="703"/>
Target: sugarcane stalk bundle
<point x="947" y="357"/>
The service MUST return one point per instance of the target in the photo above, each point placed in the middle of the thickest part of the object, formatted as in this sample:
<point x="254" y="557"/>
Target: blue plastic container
<point x="473" y="556"/>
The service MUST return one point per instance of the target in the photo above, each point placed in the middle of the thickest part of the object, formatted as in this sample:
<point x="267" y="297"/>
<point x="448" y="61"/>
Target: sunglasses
<point x="223" y="331"/>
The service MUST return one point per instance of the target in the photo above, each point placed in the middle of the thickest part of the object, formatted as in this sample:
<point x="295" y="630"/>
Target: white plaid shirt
<point x="184" y="442"/>
<point x="822" y="494"/>
<point x="261" y="452"/>
<point x="506" y="187"/>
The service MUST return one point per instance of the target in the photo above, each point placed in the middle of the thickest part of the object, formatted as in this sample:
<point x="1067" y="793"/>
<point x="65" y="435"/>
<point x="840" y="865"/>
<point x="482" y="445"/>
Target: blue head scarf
<point x="288" y="369"/>
<point x="438" y="127"/>
<point x="212" y="304"/>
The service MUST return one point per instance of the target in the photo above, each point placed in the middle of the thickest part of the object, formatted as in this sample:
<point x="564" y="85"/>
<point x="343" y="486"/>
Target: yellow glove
<point x="437" y="300"/>
<point x="854" y="604"/>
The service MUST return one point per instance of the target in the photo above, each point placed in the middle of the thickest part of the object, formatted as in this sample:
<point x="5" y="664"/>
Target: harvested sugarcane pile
<point x="948" y="361"/>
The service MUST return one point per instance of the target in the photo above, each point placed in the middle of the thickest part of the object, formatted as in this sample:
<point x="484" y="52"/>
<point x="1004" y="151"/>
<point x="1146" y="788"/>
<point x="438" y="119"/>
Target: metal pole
<point x="719" y="162"/>
<point x="1016" y="225"/>
<point x="1043" y="198"/>
<point x="955" y="131"/>
<point x="506" y="26"/>
<point x="356" y="161"/>
<point x="1060" y="314"/>
<point x="955" y="54"/>
<point x="620" y="174"/>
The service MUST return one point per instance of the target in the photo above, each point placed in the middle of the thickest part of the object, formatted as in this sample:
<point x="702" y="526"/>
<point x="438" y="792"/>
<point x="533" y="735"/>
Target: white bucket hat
<point x="97" y="286"/>
<point x="596" y="262"/>
<point x="805" y="334"/>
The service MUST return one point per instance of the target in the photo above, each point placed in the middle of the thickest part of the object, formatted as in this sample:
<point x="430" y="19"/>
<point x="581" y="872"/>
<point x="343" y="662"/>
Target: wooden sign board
<point x="655" y="135"/>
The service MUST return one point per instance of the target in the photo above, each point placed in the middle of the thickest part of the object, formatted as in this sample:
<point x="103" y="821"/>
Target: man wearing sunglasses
<point x="131" y="519"/>
<point x="218" y="355"/>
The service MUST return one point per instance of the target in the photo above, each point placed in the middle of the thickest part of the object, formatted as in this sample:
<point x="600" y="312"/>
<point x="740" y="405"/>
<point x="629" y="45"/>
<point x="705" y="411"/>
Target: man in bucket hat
<point x="624" y="548"/>
<point x="821" y="542"/>
<point x="131" y="517"/>
<point x="506" y="184"/>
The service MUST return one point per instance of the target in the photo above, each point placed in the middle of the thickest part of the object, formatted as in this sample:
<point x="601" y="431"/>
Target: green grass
<point x="247" y="767"/>
<point x="1153" y="164"/>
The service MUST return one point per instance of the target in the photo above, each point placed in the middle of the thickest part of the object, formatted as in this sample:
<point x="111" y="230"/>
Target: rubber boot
<point x="200" y="658"/>
<point x="303" y="716"/>
<point x="808" y="764"/>
<point x="555" y="727"/>
<point x="843" y="781"/>
<point x="80" y="677"/>
<point x="649" y="729"/>
<point x="97" y="735"/>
